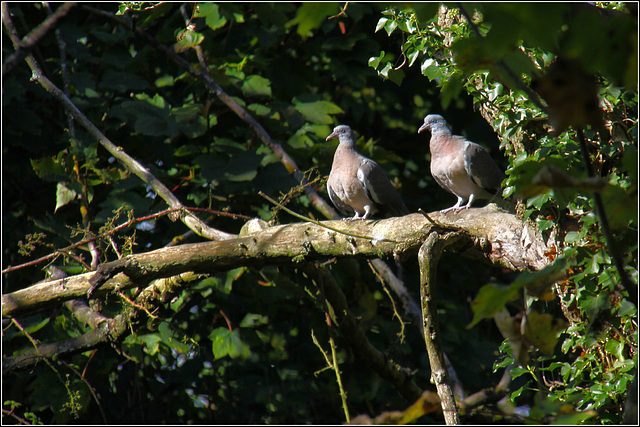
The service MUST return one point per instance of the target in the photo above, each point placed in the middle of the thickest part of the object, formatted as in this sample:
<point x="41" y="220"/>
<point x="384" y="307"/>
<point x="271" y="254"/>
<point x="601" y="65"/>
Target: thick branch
<point x="497" y="237"/>
<point x="87" y="341"/>
<point x="106" y="330"/>
<point x="428" y="258"/>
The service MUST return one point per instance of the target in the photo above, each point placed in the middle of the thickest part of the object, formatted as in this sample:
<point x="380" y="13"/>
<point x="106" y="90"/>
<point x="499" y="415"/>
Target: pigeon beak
<point x="333" y="135"/>
<point x="423" y="128"/>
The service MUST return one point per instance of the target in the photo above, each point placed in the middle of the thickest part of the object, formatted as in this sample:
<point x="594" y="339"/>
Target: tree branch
<point x="202" y="73"/>
<point x="428" y="259"/>
<point x="497" y="237"/>
<point x="190" y="220"/>
<point x="108" y="330"/>
<point x="358" y="341"/>
<point x="28" y="42"/>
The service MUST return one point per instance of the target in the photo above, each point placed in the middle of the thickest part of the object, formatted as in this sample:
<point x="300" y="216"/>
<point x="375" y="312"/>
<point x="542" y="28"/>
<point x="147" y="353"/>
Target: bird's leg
<point x="353" y="218"/>
<point x="468" y="205"/>
<point x="455" y="207"/>
<point x="367" y="211"/>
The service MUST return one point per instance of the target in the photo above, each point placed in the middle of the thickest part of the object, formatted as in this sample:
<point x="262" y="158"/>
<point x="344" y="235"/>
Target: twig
<point x="227" y="320"/>
<point x="136" y="305"/>
<point x="336" y="368"/>
<point x="28" y="42"/>
<point x="14" y="416"/>
<point x="358" y="341"/>
<point x="343" y="11"/>
<point x="191" y="221"/>
<point x="110" y="331"/>
<point x="232" y="104"/>
<point x="64" y="251"/>
<point x="91" y="389"/>
<point x="333" y="364"/>
<point x="313" y="221"/>
<point x="393" y="303"/>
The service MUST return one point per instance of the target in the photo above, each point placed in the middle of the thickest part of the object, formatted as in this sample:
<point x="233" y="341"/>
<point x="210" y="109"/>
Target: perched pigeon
<point x="358" y="184"/>
<point x="460" y="166"/>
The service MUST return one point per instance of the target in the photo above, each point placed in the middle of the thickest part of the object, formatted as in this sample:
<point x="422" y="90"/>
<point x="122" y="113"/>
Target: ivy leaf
<point x="381" y="23"/>
<point x="430" y="69"/>
<point x="227" y="343"/>
<point x="374" y="61"/>
<point x="390" y="26"/>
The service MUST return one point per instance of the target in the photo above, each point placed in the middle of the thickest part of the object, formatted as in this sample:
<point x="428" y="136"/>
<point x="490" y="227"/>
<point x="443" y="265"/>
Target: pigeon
<point x="358" y="184"/>
<point x="460" y="166"/>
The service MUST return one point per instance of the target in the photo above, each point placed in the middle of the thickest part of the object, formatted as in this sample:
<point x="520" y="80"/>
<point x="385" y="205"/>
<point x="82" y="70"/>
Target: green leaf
<point x="390" y="26"/>
<point x="189" y="120"/>
<point x="593" y="305"/>
<point x="517" y="393"/>
<point x="310" y="16"/>
<point x="151" y="116"/>
<point x="573" y="419"/>
<point x="164" y="81"/>
<point x="374" y="61"/>
<point x="49" y="169"/>
<point x="317" y="111"/>
<point x="243" y="166"/>
<point x="451" y="88"/>
<point x="64" y="195"/>
<point x="381" y="23"/>
<point x="187" y="39"/>
<point x="627" y="308"/>
<point x="211" y="13"/>
<point x="542" y="331"/>
<point x="426" y="11"/>
<point x="251" y="320"/>
<point x="490" y="299"/>
<point x="227" y="343"/>
<point x="151" y="343"/>
<point x="256" y="86"/>
<point x="622" y="208"/>
<point x="121" y="81"/>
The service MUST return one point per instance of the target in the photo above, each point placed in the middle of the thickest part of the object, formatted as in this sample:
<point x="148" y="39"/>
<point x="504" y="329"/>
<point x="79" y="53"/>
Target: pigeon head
<point x="434" y="122"/>
<point x="343" y="132"/>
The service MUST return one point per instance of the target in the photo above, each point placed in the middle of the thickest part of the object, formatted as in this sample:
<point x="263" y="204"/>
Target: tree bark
<point x="428" y="258"/>
<point x="485" y="233"/>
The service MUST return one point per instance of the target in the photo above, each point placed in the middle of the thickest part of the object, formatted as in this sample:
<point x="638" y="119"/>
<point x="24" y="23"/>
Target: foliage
<point x="236" y="347"/>
<point x="599" y="346"/>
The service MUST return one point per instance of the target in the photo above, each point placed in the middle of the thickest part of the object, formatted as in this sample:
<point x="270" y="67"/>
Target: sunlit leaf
<point x="64" y="195"/>
<point x="211" y="13"/>
<point x="256" y="86"/>
<point x="227" y="343"/>
<point x="311" y="15"/>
